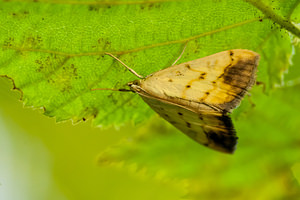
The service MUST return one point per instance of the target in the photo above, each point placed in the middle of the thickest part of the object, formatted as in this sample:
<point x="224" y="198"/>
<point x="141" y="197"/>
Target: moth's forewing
<point x="196" y="96"/>
<point x="211" y="129"/>
<point x="220" y="80"/>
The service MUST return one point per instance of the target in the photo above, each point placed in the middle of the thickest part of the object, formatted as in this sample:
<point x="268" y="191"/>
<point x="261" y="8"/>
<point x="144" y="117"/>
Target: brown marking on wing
<point x="239" y="77"/>
<point x="214" y="82"/>
<point x="219" y="131"/>
<point x="188" y="125"/>
<point x="202" y="76"/>
<point x="222" y="140"/>
<point x="188" y="66"/>
<point x="200" y="117"/>
<point x="179" y="73"/>
<point x="166" y="115"/>
<point x="222" y="137"/>
<point x="207" y="93"/>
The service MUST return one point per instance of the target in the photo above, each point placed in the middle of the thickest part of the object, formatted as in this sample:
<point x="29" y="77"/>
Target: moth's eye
<point x="136" y="82"/>
<point x="133" y="83"/>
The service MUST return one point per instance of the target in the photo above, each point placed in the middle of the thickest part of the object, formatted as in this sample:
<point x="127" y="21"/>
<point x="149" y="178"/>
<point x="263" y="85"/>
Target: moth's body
<point x="197" y="95"/>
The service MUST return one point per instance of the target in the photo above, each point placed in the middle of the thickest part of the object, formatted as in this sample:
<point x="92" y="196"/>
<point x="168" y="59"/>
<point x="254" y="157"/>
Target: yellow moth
<point x="196" y="96"/>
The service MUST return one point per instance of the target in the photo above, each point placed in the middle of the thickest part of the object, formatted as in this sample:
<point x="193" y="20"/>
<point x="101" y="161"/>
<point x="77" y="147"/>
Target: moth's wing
<point x="219" y="80"/>
<point x="211" y="129"/>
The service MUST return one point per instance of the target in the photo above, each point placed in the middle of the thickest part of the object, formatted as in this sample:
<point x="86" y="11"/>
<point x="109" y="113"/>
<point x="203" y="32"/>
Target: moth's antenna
<point x="112" y="89"/>
<point x="131" y="70"/>
<point x="180" y="55"/>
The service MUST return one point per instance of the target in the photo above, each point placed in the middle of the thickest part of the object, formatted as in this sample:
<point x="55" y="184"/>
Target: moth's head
<point x="135" y="85"/>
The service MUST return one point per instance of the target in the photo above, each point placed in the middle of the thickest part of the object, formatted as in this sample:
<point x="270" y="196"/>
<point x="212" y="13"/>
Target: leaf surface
<point x="54" y="50"/>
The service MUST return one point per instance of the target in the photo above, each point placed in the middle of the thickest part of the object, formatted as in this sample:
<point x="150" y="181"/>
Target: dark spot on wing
<point x="200" y="117"/>
<point x="178" y="73"/>
<point x="223" y="140"/>
<point x="202" y="75"/>
<point x="179" y="113"/>
<point x="188" y="66"/>
<point x="188" y="124"/>
<point x="207" y="93"/>
<point x="188" y="86"/>
<point x="170" y="80"/>
<point x="226" y="122"/>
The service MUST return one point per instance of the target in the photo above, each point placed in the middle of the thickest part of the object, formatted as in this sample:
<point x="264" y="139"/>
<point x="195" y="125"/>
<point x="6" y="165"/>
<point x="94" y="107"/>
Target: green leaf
<point x="54" y="50"/>
<point x="292" y="77"/>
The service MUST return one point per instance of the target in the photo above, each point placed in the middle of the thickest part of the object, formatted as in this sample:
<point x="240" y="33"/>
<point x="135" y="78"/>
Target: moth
<point x="197" y="96"/>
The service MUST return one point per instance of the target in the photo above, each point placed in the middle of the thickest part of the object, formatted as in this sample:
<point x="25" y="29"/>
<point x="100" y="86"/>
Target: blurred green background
<point x="44" y="160"/>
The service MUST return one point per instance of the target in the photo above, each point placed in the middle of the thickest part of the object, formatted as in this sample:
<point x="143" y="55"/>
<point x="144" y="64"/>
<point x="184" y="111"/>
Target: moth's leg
<point x="131" y="70"/>
<point x="250" y="100"/>
<point x="180" y="55"/>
